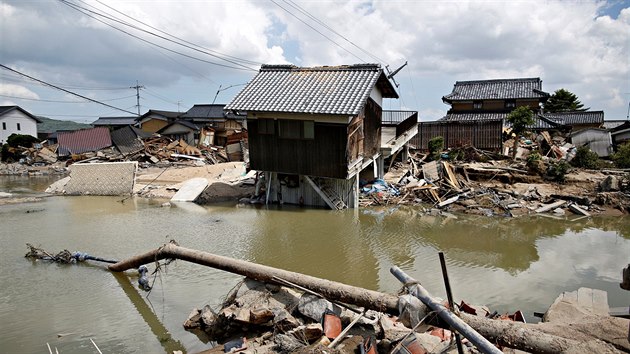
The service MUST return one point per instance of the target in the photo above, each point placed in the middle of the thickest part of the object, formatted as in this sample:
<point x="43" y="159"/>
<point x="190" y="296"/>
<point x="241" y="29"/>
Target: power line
<point x="61" y="101"/>
<point x="64" y="90"/>
<point x="178" y="38"/>
<point x="322" y="23"/>
<point x="316" y="30"/>
<point x="89" y="13"/>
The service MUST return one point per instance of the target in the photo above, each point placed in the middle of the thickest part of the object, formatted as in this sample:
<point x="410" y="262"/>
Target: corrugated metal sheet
<point x="321" y="90"/>
<point x="126" y="140"/>
<point x="342" y="187"/>
<point x="480" y="134"/>
<point x="80" y="141"/>
<point x="496" y="89"/>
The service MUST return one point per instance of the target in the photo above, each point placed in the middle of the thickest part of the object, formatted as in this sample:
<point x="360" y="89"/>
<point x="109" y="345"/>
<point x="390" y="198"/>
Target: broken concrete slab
<point x="59" y="186"/>
<point x="190" y="190"/>
<point x="314" y="307"/>
<point x="108" y="178"/>
<point x="551" y="206"/>
<point x="578" y="210"/>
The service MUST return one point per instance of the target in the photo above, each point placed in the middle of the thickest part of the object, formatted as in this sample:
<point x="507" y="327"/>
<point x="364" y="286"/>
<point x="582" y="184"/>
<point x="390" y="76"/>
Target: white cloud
<point x="17" y="91"/>
<point x="568" y="44"/>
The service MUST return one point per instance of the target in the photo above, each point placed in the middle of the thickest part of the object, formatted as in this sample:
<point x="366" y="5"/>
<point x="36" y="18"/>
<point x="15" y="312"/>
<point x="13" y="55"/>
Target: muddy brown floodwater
<point x="507" y="264"/>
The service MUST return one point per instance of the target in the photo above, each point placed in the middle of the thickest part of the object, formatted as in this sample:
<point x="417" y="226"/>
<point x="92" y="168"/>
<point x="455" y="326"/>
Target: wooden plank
<point x="448" y="201"/>
<point x="551" y="206"/>
<point x="430" y="171"/>
<point x="452" y="180"/>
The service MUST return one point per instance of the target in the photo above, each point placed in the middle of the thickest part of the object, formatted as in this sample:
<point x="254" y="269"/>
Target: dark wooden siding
<point x="372" y="128"/>
<point x="324" y="156"/>
<point x="481" y="134"/>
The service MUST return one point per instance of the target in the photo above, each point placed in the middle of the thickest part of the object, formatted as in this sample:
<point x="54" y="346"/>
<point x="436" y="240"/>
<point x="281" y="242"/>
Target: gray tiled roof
<point x="611" y="124"/>
<point x="576" y="117"/>
<point x="115" y="121"/>
<point x="471" y="117"/>
<point x="540" y="123"/>
<point x="320" y="90"/>
<point x="496" y="90"/>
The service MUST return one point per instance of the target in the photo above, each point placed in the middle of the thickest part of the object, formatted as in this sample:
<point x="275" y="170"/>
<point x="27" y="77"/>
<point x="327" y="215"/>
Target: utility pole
<point x="137" y="87"/>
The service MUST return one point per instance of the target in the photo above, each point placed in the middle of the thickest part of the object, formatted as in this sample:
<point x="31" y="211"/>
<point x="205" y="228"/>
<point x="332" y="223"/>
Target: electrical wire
<point x="316" y="30"/>
<point x="92" y="14"/>
<point x="322" y="23"/>
<point x="64" y="90"/>
<point x="60" y="101"/>
<point x="181" y="39"/>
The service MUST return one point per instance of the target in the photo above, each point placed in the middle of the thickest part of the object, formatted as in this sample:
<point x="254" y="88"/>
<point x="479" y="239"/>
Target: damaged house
<point x="314" y="130"/>
<point x="479" y="110"/>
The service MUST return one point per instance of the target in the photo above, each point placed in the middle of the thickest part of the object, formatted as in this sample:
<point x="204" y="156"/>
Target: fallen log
<point x="510" y="334"/>
<point x="368" y="299"/>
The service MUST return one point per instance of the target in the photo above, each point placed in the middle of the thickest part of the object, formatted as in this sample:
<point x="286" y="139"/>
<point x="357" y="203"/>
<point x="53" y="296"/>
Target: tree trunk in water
<point x="368" y="299"/>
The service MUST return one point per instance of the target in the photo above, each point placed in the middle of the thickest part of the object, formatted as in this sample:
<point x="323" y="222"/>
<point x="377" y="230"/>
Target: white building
<point x="15" y="120"/>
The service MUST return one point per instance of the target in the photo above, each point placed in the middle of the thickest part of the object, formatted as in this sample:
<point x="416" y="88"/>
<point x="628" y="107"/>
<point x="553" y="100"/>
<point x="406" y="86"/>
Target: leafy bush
<point x="585" y="158"/>
<point x="557" y="171"/>
<point x="622" y="156"/>
<point x="436" y="145"/>
<point x="533" y="157"/>
<point x="15" y="140"/>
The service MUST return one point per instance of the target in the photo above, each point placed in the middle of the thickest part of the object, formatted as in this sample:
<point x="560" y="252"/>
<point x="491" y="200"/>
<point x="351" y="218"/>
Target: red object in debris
<point x="368" y="346"/>
<point x="443" y="334"/>
<point x="467" y="308"/>
<point x="331" y="324"/>
<point x="409" y="345"/>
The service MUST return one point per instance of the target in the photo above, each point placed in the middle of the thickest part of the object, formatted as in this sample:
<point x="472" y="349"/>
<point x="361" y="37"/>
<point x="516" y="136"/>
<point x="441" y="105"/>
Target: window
<point x="18" y="126"/>
<point x="296" y="129"/>
<point x="510" y="103"/>
<point x="477" y="104"/>
<point x="309" y="129"/>
<point x="289" y="129"/>
<point x="4" y="125"/>
<point x="265" y="126"/>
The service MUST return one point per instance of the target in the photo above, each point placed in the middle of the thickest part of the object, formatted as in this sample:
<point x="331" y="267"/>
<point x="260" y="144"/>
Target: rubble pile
<point x="473" y="181"/>
<point x="271" y="318"/>
<point x="152" y="151"/>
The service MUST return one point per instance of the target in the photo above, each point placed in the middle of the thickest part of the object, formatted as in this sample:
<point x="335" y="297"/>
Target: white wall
<point x="10" y="120"/>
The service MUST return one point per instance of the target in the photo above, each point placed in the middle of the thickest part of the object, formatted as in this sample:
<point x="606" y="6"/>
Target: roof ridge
<point x="498" y="80"/>
<point x="291" y="67"/>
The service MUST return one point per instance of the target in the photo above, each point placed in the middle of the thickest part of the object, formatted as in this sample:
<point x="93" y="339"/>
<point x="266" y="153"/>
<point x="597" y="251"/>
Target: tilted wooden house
<point x="313" y="130"/>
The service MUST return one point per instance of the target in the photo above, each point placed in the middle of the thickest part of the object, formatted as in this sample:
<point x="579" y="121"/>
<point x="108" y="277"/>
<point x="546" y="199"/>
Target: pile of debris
<point x="467" y="180"/>
<point x="129" y="144"/>
<point x="285" y="319"/>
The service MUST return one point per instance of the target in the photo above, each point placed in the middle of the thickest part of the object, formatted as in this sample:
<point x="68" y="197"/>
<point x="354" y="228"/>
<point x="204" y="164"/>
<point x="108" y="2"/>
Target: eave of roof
<point x="336" y="90"/>
<point x="7" y="109"/>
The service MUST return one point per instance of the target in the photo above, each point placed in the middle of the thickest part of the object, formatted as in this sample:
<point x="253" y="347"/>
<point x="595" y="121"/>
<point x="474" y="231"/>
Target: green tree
<point x="563" y="101"/>
<point x="520" y="119"/>
<point x="622" y="156"/>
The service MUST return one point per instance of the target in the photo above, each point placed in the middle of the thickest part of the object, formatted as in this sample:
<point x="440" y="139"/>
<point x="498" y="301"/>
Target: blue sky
<point x="582" y="46"/>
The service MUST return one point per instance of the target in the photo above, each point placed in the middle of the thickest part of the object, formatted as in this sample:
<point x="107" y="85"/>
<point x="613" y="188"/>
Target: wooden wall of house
<point x="153" y="125"/>
<point x="372" y="128"/>
<point x="493" y="105"/>
<point x="481" y="134"/>
<point x="323" y="156"/>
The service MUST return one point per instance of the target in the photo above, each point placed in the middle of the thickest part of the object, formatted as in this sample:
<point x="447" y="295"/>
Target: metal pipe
<point x="449" y="296"/>
<point x="457" y="323"/>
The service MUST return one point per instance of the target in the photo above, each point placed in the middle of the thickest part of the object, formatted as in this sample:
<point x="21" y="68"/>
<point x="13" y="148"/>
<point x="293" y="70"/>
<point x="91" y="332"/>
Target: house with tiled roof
<point x="154" y="120"/>
<point x="313" y="130"/>
<point x="16" y="120"/>
<point x="216" y="124"/>
<point x="495" y="96"/>
<point x="114" y="122"/>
